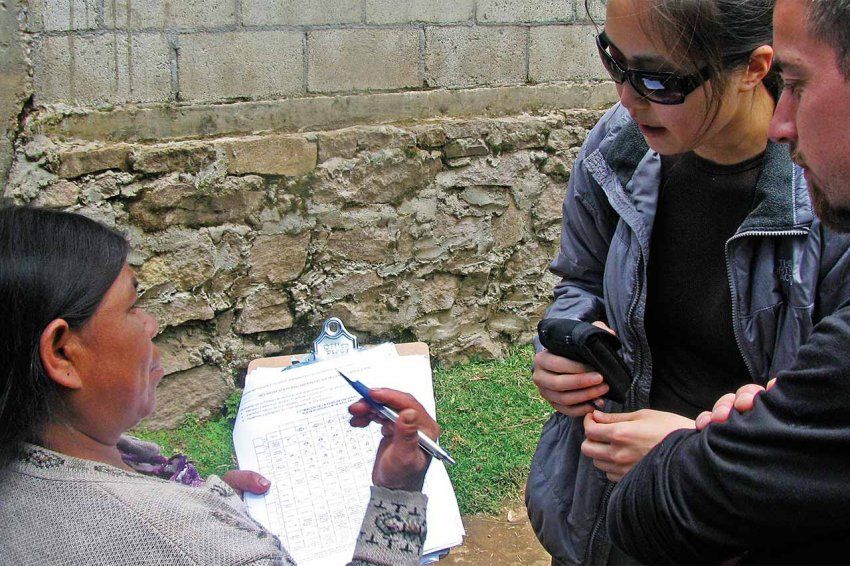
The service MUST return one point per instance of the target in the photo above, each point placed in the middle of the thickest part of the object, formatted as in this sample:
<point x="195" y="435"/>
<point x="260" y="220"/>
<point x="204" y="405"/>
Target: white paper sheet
<point x="293" y="428"/>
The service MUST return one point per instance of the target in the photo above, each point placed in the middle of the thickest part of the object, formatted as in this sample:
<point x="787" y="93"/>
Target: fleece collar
<point x="781" y="201"/>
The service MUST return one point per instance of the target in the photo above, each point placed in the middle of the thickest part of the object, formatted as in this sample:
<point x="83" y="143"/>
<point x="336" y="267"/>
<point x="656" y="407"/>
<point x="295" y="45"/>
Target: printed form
<point x="292" y="427"/>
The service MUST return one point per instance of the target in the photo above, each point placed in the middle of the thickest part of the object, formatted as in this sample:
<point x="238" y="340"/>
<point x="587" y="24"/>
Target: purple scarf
<point x="146" y="458"/>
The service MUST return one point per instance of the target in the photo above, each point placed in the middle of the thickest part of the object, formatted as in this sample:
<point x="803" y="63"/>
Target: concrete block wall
<point x="113" y="52"/>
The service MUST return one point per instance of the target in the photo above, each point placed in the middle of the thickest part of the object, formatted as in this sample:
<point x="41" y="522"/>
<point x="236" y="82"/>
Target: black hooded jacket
<point x="769" y="486"/>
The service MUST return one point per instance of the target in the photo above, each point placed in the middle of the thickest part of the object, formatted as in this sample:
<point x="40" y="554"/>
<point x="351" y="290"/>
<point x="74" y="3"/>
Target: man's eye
<point x="794" y="88"/>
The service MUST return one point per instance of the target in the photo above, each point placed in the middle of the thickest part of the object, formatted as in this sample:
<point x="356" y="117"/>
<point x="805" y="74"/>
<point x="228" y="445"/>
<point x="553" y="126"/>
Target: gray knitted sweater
<point x="55" y="509"/>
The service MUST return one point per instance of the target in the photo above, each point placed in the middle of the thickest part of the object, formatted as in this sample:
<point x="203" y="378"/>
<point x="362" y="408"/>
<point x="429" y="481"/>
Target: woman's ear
<point x="757" y="69"/>
<point x="55" y="349"/>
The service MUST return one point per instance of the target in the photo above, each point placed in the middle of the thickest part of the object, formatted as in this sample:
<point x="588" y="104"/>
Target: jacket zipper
<point x="629" y="403"/>
<point x="631" y="400"/>
<point x="600" y="517"/>
<point x="735" y="315"/>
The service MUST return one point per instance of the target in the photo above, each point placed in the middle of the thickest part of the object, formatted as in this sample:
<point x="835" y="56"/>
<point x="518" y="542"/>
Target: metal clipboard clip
<point x="333" y="341"/>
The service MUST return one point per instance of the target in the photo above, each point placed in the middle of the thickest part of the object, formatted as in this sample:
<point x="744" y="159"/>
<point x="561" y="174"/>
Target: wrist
<point x="410" y="483"/>
<point x="393" y="529"/>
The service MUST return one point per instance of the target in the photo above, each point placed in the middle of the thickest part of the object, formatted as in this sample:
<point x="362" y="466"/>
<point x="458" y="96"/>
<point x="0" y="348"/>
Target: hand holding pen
<point x="400" y="463"/>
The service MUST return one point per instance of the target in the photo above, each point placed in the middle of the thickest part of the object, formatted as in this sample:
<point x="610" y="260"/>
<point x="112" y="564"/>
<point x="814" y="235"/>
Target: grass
<point x="490" y="413"/>
<point x="491" y="416"/>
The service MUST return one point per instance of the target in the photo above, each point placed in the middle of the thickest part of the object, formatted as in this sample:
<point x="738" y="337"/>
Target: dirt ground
<point x="506" y="539"/>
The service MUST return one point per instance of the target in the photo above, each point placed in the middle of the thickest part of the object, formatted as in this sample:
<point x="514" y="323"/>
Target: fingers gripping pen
<point x="425" y="442"/>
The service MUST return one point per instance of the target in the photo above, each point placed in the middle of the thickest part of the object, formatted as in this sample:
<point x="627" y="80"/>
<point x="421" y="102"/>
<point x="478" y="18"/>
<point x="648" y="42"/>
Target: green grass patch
<point x="491" y="416"/>
<point x="490" y="413"/>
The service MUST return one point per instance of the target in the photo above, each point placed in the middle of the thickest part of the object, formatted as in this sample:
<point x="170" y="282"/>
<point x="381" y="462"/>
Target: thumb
<point x="603" y="326"/>
<point x="703" y="420"/>
<point x="608" y="418"/>
<point x="406" y="428"/>
<point x="246" y="480"/>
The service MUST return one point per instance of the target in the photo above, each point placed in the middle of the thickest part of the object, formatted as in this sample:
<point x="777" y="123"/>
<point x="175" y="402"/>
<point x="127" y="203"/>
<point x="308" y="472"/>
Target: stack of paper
<point x="292" y="427"/>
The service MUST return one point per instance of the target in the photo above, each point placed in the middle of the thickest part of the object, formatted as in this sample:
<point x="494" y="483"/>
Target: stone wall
<point x="437" y="231"/>
<point x="15" y="87"/>
<point x="400" y="165"/>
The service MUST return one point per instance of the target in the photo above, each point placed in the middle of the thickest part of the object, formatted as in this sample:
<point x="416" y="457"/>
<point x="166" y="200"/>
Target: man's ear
<point x="759" y="66"/>
<point x="56" y="348"/>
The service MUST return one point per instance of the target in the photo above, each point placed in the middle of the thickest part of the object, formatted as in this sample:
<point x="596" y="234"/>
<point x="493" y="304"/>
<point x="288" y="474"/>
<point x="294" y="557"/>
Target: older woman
<point x="79" y="370"/>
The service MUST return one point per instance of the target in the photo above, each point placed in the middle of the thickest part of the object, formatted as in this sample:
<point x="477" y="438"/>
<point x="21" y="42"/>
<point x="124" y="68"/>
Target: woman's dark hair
<point x="718" y="34"/>
<point x="52" y="265"/>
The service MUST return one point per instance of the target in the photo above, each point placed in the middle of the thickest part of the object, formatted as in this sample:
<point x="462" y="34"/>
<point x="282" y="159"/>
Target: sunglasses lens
<point x="665" y="90"/>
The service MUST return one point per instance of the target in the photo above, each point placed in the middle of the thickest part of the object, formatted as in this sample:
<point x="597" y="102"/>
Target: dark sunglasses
<point x="661" y="88"/>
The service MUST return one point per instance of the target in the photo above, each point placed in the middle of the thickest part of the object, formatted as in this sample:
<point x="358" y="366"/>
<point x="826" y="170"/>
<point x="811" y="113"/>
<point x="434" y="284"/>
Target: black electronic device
<point x="590" y="345"/>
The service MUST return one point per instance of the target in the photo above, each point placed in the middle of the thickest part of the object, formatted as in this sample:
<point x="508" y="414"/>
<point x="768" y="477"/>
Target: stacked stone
<point x="436" y="230"/>
<point x="275" y="162"/>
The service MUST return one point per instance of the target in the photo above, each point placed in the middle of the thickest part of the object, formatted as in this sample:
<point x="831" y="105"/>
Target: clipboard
<point x="264" y="451"/>
<point x="403" y="349"/>
<point x="333" y="334"/>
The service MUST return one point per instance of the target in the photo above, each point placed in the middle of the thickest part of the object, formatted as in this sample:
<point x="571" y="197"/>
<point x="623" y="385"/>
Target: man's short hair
<point x="830" y="20"/>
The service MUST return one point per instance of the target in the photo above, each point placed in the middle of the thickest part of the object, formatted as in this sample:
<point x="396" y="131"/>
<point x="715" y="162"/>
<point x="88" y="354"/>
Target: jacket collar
<point x="781" y="197"/>
<point x="779" y="202"/>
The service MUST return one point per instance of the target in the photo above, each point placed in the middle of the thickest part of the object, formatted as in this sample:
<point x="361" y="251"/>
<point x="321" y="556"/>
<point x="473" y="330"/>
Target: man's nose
<point x="783" y="126"/>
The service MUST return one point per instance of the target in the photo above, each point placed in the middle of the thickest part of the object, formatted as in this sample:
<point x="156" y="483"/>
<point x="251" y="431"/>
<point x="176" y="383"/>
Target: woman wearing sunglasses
<point x="691" y="236"/>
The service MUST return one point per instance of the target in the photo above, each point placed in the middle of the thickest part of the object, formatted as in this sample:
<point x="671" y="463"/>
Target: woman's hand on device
<point x="569" y="386"/>
<point x="400" y="462"/>
<point x="566" y="384"/>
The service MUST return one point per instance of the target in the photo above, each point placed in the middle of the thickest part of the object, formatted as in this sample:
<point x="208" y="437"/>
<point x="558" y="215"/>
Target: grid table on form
<point x="321" y="474"/>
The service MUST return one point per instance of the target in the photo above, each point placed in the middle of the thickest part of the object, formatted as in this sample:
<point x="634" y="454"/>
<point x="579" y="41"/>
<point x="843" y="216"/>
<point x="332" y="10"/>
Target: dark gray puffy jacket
<point x="785" y="271"/>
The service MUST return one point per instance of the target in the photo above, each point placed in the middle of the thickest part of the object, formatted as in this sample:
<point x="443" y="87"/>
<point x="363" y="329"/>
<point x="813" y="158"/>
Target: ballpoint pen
<point x="425" y="441"/>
